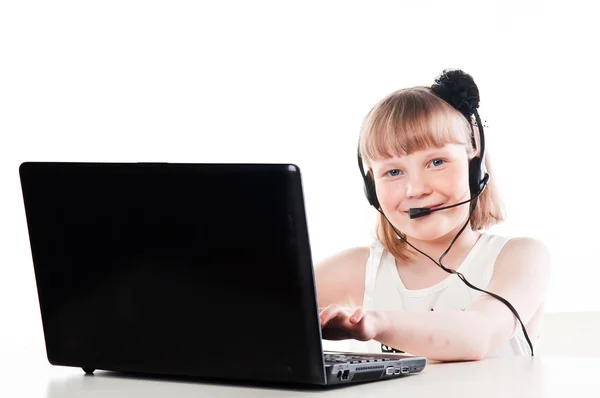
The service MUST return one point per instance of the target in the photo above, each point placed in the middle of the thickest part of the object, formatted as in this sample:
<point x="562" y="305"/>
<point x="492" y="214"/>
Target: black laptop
<point x="199" y="270"/>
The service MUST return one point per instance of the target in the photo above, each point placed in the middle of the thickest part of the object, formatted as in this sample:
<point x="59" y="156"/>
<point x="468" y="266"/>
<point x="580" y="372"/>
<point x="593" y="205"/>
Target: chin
<point x="426" y="235"/>
<point x="426" y="230"/>
<point x="430" y="227"/>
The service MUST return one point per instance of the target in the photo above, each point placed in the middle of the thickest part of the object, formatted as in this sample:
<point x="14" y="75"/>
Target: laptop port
<point x="397" y="371"/>
<point x="404" y="369"/>
<point x="339" y="374"/>
<point x="346" y="374"/>
<point x="389" y="371"/>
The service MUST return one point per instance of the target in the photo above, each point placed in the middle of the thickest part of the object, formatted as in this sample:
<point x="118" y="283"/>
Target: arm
<point x="340" y="279"/>
<point x="521" y="276"/>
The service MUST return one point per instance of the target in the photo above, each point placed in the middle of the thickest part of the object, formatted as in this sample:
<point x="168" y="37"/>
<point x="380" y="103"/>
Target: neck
<point x="435" y="248"/>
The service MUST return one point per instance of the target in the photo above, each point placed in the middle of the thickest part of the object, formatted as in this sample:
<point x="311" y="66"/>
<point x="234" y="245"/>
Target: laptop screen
<point x="200" y="269"/>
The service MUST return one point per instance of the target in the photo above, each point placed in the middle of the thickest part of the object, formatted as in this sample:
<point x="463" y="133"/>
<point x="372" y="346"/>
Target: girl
<point x="422" y="146"/>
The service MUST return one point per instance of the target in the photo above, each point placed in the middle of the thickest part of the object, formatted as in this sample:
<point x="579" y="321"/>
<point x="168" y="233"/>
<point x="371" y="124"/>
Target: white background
<point x="290" y="81"/>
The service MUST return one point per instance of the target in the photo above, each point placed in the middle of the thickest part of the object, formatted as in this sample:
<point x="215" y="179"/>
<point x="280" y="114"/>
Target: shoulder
<point x="525" y="252"/>
<point x="349" y="260"/>
<point x="340" y="278"/>
<point x="346" y="260"/>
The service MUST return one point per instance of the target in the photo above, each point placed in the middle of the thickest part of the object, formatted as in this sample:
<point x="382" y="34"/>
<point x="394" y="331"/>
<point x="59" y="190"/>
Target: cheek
<point x="389" y="195"/>
<point x="453" y="185"/>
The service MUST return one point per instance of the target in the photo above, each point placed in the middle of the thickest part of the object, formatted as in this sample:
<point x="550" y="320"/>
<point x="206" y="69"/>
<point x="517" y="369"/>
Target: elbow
<point x="476" y="346"/>
<point x="464" y="350"/>
<point x="476" y="349"/>
<point x="467" y="354"/>
<point x="471" y="354"/>
<point x="477" y="355"/>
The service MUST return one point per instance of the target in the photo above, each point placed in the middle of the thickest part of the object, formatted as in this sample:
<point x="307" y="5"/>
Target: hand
<point x="339" y="323"/>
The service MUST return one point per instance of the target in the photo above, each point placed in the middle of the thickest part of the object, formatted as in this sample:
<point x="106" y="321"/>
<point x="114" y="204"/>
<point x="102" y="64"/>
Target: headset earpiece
<point x="370" y="191"/>
<point x="476" y="174"/>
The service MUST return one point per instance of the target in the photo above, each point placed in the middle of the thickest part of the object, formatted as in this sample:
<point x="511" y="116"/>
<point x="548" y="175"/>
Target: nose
<point x="416" y="187"/>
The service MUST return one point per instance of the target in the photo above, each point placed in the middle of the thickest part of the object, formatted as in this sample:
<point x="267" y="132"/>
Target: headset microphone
<point x="417" y="212"/>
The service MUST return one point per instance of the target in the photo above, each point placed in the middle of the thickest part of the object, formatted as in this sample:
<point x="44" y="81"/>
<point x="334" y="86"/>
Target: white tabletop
<point x="33" y="376"/>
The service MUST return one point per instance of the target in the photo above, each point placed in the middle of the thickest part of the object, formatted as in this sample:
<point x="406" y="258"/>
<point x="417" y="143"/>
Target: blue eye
<point x="439" y="162"/>
<point x="393" y="173"/>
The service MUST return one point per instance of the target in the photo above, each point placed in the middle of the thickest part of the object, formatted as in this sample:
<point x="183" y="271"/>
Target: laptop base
<point x="345" y="367"/>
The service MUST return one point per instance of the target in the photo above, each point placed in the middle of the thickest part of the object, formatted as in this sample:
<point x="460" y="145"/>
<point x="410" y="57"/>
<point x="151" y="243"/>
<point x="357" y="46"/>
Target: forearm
<point x="441" y="336"/>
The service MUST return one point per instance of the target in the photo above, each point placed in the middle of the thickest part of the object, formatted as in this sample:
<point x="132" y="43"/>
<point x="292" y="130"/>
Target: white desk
<point x="504" y="377"/>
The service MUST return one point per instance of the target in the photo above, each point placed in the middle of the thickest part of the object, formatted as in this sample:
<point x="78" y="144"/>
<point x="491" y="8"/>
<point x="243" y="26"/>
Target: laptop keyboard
<point x="348" y="358"/>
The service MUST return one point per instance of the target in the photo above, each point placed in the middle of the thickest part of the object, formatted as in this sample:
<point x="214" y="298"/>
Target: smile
<point x="428" y="207"/>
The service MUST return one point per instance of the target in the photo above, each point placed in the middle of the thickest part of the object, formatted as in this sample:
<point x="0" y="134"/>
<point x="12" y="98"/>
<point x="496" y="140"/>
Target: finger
<point x="366" y="328"/>
<point x="340" y="321"/>
<point x="358" y="315"/>
<point x="334" y="314"/>
<point x="328" y="313"/>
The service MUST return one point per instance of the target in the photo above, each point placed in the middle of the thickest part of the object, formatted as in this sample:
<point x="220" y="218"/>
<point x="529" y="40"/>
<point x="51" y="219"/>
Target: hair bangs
<point x="411" y="120"/>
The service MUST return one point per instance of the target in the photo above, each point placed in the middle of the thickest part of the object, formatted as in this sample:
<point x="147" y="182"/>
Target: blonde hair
<point x="413" y="119"/>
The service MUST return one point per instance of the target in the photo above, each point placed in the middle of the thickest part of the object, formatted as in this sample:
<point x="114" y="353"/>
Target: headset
<point x="478" y="180"/>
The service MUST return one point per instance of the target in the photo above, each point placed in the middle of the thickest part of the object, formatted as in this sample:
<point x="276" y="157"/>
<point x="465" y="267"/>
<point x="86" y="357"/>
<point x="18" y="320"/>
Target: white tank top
<point x="384" y="290"/>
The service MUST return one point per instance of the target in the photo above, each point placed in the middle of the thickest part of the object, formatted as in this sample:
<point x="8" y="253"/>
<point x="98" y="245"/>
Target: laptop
<point x="199" y="270"/>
